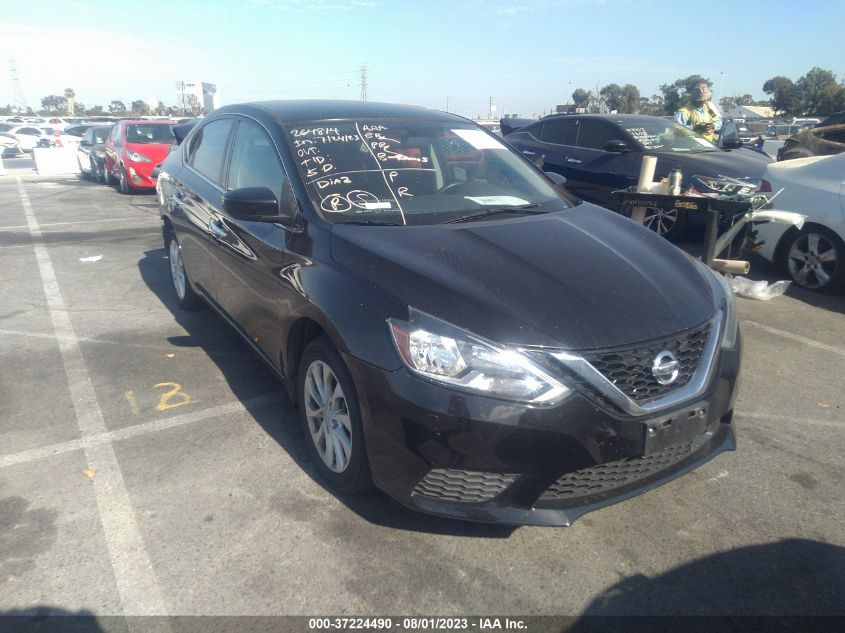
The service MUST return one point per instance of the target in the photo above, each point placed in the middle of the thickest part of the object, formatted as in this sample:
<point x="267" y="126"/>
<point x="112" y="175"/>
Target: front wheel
<point x="125" y="189"/>
<point x="331" y="418"/>
<point x="107" y="179"/>
<point x="185" y="295"/>
<point x="815" y="259"/>
<point x="668" y="223"/>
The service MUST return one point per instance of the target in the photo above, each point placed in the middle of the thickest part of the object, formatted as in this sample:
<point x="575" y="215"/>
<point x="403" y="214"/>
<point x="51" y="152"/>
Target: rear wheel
<point x="96" y="173"/>
<point x="185" y="295"/>
<point x="107" y="179"/>
<point x="331" y="418"/>
<point x="815" y="259"/>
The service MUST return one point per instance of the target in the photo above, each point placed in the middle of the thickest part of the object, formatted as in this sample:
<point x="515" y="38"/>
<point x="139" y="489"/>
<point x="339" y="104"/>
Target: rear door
<point x="197" y="197"/>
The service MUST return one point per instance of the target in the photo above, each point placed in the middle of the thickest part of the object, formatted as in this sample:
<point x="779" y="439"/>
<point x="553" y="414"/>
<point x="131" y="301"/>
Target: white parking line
<point x="231" y="408"/>
<point x="136" y="581"/>
<point x="26" y="226"/>
<point x="795" y="337"/>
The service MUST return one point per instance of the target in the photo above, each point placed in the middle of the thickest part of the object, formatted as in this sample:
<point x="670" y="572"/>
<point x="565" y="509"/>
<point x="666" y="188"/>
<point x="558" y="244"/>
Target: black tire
<point x="107" y="180"/>
<point x="123" y="181"/>
<point x="95" y="172"/>
<point x="814" y="258"/>
<point x="669" y="224"/>
<point x="354" y="476"/>
<point x="179" y="279"/>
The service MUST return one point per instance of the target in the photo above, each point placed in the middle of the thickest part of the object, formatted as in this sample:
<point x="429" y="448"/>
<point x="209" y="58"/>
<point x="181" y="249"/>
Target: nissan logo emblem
<point x="665" y="368"/>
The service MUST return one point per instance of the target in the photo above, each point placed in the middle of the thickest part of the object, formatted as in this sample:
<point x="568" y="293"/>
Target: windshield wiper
<point x="526" y="208"/>
<point x="370" y="223"/>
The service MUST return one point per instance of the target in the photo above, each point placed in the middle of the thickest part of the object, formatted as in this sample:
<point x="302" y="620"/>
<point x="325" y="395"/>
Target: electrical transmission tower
<point x="18" y="101"/>
<point x="364" y="82"/>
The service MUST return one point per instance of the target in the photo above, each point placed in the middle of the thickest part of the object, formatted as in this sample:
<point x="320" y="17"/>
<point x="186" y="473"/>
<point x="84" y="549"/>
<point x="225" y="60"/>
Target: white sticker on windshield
<point x="479" y="139"/>
<point x="497" y="201"/>
<point x="377" y="205"/>
<point x="701" y="141"/>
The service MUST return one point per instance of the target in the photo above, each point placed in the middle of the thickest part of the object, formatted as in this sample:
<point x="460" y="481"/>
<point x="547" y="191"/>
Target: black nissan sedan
<point x="600" y="153"/>
<point x="454" y="328"/>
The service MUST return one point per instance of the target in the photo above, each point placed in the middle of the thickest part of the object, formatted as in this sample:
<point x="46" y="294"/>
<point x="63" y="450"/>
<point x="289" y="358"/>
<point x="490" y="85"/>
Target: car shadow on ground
<point x="52" y="619"/>
<point x="246" y="375"/>
<point x="791" y="578"/>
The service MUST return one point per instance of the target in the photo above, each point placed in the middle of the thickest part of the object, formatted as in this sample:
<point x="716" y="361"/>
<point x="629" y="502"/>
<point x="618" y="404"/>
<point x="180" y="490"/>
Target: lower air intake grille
<point x="462" y="485"/>
<point x="605" y="477"/>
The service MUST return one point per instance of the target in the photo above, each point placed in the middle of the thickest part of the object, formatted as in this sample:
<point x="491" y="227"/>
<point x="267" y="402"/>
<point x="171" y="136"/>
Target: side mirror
<point x="730" y="142"/>
<point x="617" y="146"/>
<point x="85" y="143"/>
<point x="556" y="178"/>
<point x="258" y="204"/>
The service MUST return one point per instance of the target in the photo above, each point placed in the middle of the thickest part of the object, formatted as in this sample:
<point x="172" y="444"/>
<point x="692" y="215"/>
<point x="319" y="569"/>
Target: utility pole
<point x="18" y="101"/>
<point x="490" y="114"/>
<point x="364" y="82"/>
<point x="447" y="103"/>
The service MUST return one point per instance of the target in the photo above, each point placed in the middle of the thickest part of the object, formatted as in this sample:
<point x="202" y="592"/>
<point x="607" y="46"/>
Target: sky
<point x="527" y="55"/>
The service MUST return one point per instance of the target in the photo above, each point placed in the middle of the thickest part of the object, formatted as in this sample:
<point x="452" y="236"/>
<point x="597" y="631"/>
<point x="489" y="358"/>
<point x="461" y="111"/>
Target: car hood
<point x="154" y="151"/>
<point x="737" y="163"/>
<point x="578" y="279"/>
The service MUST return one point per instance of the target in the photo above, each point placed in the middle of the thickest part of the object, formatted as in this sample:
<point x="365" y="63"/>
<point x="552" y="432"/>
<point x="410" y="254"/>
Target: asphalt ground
<point x="150" y="464"/>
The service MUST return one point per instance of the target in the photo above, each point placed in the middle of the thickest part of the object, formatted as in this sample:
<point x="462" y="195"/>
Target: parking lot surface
<point x="151" y="464"/>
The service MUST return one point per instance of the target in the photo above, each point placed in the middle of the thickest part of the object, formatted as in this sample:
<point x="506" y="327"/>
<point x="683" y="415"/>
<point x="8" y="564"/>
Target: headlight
<point x="135" y="157"/>
<point x="725" y="185"/>
<point x="447" y="354"/>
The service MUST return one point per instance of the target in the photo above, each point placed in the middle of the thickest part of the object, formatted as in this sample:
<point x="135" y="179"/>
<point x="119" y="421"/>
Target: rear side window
<point x="558" y="132"/>
<point x="594" y="135"/>
<point x="207" y="151"/>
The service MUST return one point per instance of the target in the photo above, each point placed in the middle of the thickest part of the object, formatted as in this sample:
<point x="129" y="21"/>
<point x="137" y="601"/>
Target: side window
<point x="558" y="132"/>
<point x="207" y="152"/>
<point x="593" y="135"/>
<point x="254" y="161"/>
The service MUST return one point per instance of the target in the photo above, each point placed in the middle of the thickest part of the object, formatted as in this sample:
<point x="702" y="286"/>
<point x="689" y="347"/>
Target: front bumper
<point x="471" y="457"/>
<point x="139" y="175"/>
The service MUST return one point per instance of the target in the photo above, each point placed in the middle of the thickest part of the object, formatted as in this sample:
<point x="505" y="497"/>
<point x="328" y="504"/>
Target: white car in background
<point x="814" y="257"/>
<point x="28" y="136"/>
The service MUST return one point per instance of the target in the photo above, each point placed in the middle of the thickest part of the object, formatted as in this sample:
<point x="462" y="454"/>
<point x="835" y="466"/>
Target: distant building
<point x="196" y="97"/>
<point x="750" y="113"/>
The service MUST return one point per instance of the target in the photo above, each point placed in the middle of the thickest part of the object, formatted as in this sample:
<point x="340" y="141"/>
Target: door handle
<point x="218" y="231"/>
<point x="576" y="161"/>
<point x="528" y="152"/>
<point x="176" y="199"/>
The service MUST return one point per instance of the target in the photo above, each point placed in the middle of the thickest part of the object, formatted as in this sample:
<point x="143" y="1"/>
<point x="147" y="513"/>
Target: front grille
<point x="630" y="368"/>
<point x="462" y="485"/>
<point x="606" y="477"/>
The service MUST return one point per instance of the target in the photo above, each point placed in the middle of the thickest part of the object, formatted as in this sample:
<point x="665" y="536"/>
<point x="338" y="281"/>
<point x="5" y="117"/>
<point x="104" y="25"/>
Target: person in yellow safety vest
<point x="700" y="114"/>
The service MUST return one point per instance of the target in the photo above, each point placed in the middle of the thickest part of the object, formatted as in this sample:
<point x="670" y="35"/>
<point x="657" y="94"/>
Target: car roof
<point x="145" y="122"/>
<point x="615" y="118"/>
<point x="317" y="110"/>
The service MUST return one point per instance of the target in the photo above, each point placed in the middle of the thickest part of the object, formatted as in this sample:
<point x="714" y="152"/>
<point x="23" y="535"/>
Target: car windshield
<point x="660" y="135"/>
<point x="401" y="171"/>
<point x="157" y="133"/>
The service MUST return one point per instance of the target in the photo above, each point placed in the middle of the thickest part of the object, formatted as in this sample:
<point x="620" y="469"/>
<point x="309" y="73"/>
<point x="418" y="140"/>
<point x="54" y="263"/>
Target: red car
<point x="133" y="149"/>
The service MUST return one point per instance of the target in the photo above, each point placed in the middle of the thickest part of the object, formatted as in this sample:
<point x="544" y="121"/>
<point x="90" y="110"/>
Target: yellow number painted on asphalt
<point x="166" y="400"/>
<point x="133" y="404"/>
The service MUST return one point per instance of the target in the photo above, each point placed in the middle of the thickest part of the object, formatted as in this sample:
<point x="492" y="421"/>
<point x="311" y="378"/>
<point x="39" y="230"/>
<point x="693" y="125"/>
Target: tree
<point x="729" y="103"/>
<point x="630" y="98"/>
<point x="581" y="98"/>
<point x="140" y="108"/>
<point x="69" y="93"/>
<point x="784" y="97"/>
<point x="677" y="93"/>
<point x="117" y="107"/>
<point x="95" y="111"/>
<point x="53" y="103"/>
<point x="817" y="89"/>
<point x="160" y="109"/>
<point x="612" y="96"/>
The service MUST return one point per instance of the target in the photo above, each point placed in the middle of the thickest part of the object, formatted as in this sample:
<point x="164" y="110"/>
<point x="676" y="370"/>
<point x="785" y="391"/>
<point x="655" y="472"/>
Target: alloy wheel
<point x="327" y="414"/>
<point x="812" y="260"/>
<point x="660" y="221"/>
<point x="177" y="269"/>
